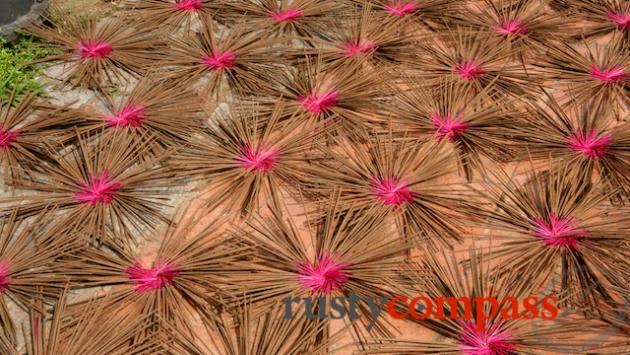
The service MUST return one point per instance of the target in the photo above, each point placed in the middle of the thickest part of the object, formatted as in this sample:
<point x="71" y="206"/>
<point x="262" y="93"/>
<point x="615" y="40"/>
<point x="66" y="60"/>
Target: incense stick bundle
<point x="597" y="73"/>
<point x="303" y="20"/>
<point x="99" y="54"/>
<point x="353" y="252"/>
<point x="171" y="15"/>
<point x="29" y="129"/>
<point x="247" y="158"/>
<point x="519" y="23"/>
<point x="186" y="280"/>
<point x="400" y="179"/>
<point x="320" y="93"/>
<point x="238" y="59"/>
<point x="477" y="57"/>
<point x="585" y="137"/>
<point x="603" y="18"/>
<point x="30" y="252"/>
<point x="107" y="188"/>
<point x="365" y="35"/>
<point x="475" y="123"/>
<point x="498" y="336"/>
<point x="431" y="14"/>
<point x="168" y="113"/>
<point x="555" y="229"/>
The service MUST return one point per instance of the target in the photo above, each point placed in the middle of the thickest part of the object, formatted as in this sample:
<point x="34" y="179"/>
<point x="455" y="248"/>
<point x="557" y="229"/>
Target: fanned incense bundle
<point x="168" y="113"/>
<point x="604" y="17"/>
<point x="100" y="54"/>
<point x="350" y="252"/>
<point x="497" y="336"/>
<point x="29" y="128"/>
<point x="554" y="223"/>
<point x="476" y="124"/>
<point x="398" y="179"/>
<point x="305" y="20"/>
<point x="477" y="57"/>
<point x="320" y="93"/>
<point x="187" y="278"/>
<point x="29" y="252"/>
<point x="169" y="15"/>
<point x="584" y="137"/>
<point x="365" y="35"/>
<point x="598" y="73"/>
<point x="108" y="189"/>
<point x="246" y="158"/>
<point x="240" y="58"/>
<point x="522" y="23"/>
<point x="431" y="14"/>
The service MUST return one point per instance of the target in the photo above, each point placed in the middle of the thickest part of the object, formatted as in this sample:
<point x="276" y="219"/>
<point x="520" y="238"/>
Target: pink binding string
<point x="7" y="138"/>
<point x="288" y="15"/>
<point x="261" y="159"/>
<point x="608" y="76"/>
<point x="400" y="9"/>
<point x="391" y="191"/>
<point x="592" y="145"/>
<point x="356" y="47"/>
<point x="95" y="49"/>
<point x="219" y="60"/>
<point x="326" y="276"/>
<point x="510" y="28"/>
<point x="100" y="190"/>
<point x="558" y="231"/>
<point x="188" y="5"/>
<point x="131" y="115"/>
<point x="468" y="70"/>
<point x="448" y="127"/>
<point x="319" y="103"/>
<point x="620" y="19"/>
<point x="4" y="276"/>
<point x="490" y="341"/>
<point x="154" y="278"/>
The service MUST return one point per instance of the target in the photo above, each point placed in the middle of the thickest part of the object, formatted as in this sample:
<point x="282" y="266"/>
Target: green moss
<point x="15" y="71"/>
